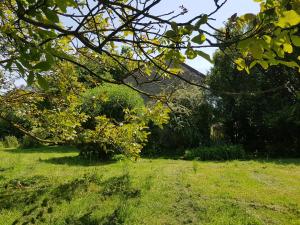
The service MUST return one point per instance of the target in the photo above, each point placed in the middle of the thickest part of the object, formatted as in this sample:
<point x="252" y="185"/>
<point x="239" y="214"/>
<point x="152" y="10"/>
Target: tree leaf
<point x="204" y="55"/>
<point x="51" y="16"/>
<point x="42" y="82"/>
<point x="43" y="66"/>
<point x="287" y="48"/>
<point x="240" y="63"/>
<point x="191" y="53"/>
<point x="170" y="34"/>
<point x="288" y="19"/>
<point x="263" y="64"/>
<point x="30" y="78"/>
<point x="199" y="39"/>
<point x="296" y="40"/>
<point x="202" y="21"/>
<point x="62" y="5"/>
<point x="174" y="26"/>
<point x="20" y="68"/>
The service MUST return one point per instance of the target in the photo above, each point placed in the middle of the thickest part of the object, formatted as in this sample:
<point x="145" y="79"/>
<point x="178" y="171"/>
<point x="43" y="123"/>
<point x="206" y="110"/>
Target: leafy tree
<point x="189" y="124"/>
<point x="35" y="34"/>
<point x="263" y="121"/>
<point x="59" y="114"/>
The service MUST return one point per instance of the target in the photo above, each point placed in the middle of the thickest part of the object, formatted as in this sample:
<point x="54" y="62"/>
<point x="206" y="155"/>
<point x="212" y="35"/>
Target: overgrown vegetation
<point x="218" y="152"/>
<point x="189" y="124"/>
<point x="265" y="123"/>
<point x="10" y="142"/>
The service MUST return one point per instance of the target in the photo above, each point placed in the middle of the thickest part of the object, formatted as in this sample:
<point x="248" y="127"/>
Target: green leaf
<point x="204" y="55"/>
<point x="287" y="48"/>
<point x="254" y="63"/>
<point x="8" y="65"/>
<point x="202" y="21"/>
<point x="62" y="5"/>
<point x="42" y="82"/>
<point x="249" y="17"/>
<point x="257" y="51"/>
<point x="43" y="66"/>
<point x="20" y="68"/>
<point x="191" y="53"/>
<point x="174" y="26"/>
<point x="296" y="40"/>
<point x="30" y="78"/>
<point x="240" y="63"/>
<point x="188" y="29"/>
<point x="263" y="64"/>
<point x="170" y="34"/>
<point x="51" y="16"/>
<point x="46" y="33"/>
<point x="199" y="39"/>
<point x="288" y="19"/>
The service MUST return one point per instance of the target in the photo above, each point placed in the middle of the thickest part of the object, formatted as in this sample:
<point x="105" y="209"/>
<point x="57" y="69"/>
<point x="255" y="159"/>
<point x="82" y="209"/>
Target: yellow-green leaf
<point x="199" y="39"/>
<point x="288" y="19"/>
<point x="296" y="40"/>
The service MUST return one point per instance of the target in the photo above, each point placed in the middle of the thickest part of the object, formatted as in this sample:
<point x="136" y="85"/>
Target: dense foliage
<point x="114" y="102"/>
<point x="189" y="124"/>
<point x="265" y="122"/>
<point x="219" y="152"/>
<point x="110" y="100"/>
<point x="10" y="142"/>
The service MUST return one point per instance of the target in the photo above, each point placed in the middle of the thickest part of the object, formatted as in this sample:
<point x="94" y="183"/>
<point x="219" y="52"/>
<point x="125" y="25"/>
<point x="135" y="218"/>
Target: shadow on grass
<point x="45" y="149"/>
<point x="36" y="197"/>
<point x="280" y="161"/>
<point x="76" y="161"/>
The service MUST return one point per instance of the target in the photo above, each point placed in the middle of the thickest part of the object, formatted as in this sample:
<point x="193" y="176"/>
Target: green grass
<point x="54" y="186"/>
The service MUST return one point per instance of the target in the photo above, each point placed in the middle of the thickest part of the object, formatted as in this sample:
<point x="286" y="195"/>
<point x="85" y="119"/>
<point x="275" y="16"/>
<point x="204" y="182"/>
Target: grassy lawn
<point x="53" y="186"/>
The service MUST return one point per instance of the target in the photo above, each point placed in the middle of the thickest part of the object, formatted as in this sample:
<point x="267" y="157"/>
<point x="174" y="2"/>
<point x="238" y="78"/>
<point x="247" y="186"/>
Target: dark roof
<point x="193" y="69"/>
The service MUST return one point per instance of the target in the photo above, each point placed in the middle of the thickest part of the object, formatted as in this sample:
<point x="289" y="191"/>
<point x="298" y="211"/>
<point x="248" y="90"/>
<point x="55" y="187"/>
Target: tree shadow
<point x="76" y="161"/>
<point x="17" y="193"/>
<point x="280" y="161"/>
<point x="37" y="198"/>
<point x="45" y="149"/>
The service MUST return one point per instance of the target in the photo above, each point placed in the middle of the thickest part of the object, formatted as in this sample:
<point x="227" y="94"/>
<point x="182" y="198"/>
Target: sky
<point x="197" y="7"/>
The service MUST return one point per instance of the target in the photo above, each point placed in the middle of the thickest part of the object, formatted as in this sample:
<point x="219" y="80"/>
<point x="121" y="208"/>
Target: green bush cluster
<point x="10" y="142"/>
<point x="221" y="152"/>
<point x="189" y="124"/>
<point x="29" y="142"/>
<point x="111" y="101"/>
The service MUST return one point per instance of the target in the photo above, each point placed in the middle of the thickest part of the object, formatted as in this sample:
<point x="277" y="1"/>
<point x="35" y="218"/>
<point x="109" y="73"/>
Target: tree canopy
<point x="36" y="34"/>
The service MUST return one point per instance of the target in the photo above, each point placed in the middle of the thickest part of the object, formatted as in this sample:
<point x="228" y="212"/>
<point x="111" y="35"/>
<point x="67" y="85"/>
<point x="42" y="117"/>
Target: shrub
<point x="29" y="142"/>
<point x="10" y="142"/>
<point x="189" y="124"/>
<point x="221" y="152"/>
<point x="110" y="101"/>
<point x="1" y="144"/>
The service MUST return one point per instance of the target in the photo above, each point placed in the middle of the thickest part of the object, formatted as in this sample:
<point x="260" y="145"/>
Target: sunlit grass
<point x="54" y="186"/>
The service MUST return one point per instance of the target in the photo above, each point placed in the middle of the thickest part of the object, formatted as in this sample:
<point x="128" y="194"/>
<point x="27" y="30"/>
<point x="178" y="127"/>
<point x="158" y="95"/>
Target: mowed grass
<point x="52" y="185"/>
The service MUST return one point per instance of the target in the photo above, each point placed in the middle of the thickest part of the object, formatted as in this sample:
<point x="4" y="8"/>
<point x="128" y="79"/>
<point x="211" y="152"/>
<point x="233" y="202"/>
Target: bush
<point x="110" y="100"/>
<point x="222" y="152"/>
<point x="189" y="125"/>
<point x="10" y="142"/>
<point x="29" y="142"/>
<point x="1" y="144"/>
<point x="106" y="100"/>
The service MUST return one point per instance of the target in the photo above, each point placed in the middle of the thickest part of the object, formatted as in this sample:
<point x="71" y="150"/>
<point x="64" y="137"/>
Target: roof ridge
<point x="193" y="69"/>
